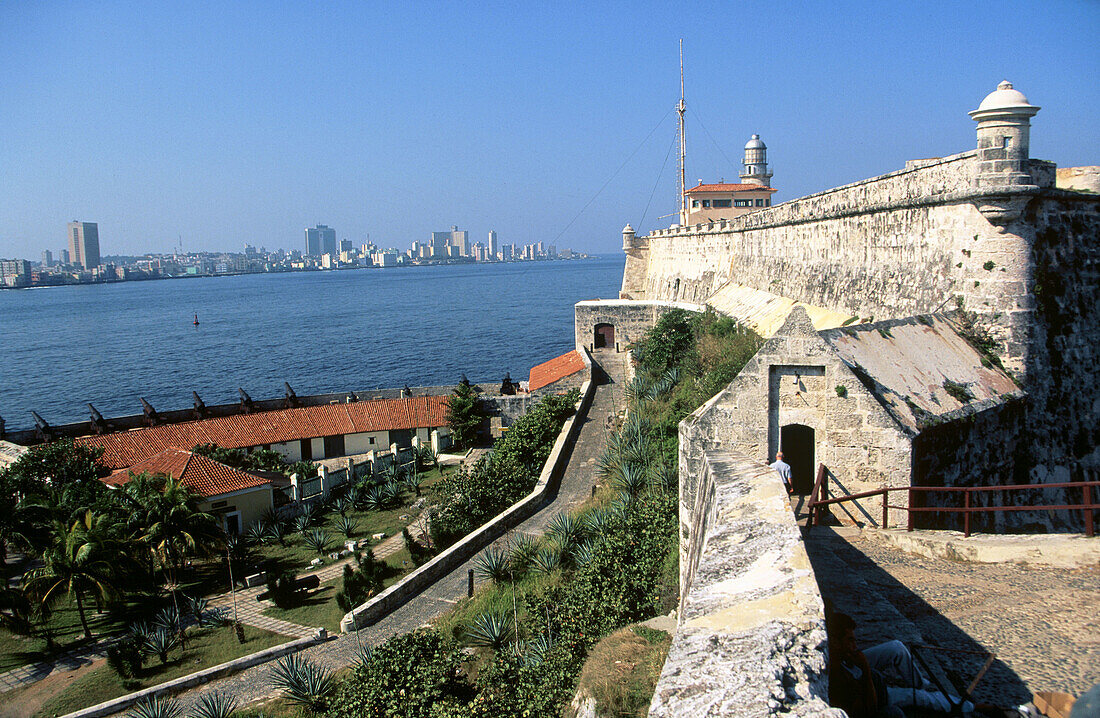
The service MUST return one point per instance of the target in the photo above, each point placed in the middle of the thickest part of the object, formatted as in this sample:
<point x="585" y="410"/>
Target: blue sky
<point x="244" y="122"/>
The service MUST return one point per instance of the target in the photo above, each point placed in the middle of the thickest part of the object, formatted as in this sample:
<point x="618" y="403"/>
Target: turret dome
<point x="1005" y="99"/>
<point x="758" y="144"/>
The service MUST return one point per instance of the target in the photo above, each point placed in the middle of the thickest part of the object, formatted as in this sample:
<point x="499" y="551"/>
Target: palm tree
<point x="172" y="526"/>
<point x="78" y="562"/>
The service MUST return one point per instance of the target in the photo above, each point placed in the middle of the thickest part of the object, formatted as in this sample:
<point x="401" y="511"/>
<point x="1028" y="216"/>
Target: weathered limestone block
<point x="751" y="640"/>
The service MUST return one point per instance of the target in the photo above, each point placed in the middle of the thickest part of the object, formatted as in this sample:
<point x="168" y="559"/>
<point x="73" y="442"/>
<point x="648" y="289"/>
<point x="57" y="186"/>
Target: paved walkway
<point x="1041" y="622"/>
<point x="576" y="486"/>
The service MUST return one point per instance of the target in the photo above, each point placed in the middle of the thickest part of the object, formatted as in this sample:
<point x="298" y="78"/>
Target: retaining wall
<point x="751" y="636"/>
<point x="461" y="552"/>
<point x="198" y="678"/>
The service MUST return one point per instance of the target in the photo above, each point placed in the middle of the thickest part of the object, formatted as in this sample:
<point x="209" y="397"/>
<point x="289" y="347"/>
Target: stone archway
<point x="796" y="441"/>
<point x="603" y="336"/>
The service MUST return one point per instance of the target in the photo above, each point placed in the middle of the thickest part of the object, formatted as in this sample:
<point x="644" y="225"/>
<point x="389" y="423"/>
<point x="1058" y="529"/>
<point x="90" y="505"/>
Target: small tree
<point x="362" y="582"/>
<point x="464" y="414"/>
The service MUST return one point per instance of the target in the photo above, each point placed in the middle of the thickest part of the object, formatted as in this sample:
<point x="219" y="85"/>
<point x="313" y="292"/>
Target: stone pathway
<point x="1041" y="623"/>
<point x="576" y="487"/>
<point x="250" y="611"/>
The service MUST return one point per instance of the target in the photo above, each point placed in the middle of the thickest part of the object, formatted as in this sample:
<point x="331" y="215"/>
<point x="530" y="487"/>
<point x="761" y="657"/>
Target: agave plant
<point x="535" y="650"/>
<point x="303" y="682"/>
<point x="492" y="565"/>
<point x="302" y="522"/>
<point x="630" y="481"/>
<point x="156" y="707"/>
<point x="316" y="512"/>
<point x="214" y="705"/>
<point x="371" y="499"/>
<point x="595" y="521"/>
<point x="664" y="476"/>
<point x="412" y="481"/>
<point x="256" y="533"/>
<point x="637" y="389"/>
<point x="316" y="540"/>
<point x="391" y="494"/>
<point x="582" y="553"/>
<point x="492" y="630"/>
<point x="169" y="619"/>
<point x="347" y="526"/>
<point x="522" y="552"/>
<point x="545" y="560"/>
<point x="160" y="642"/>
<point x="197" y="607"/>
<point x="343" y="504"/>
<point x="276" y="531"/>
<point x="564" y="529"/>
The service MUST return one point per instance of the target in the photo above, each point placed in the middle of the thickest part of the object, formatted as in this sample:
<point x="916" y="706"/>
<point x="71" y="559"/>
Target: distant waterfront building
<point x="320" y="240"/>
<point x="493" y="247"/>
<point x="460" y="238"/>
<point x="64" y="257"/>
<point x="47" y="258"/>
<point x="346" y="245"/>
<point x="84" y="244"/>
<point x="15" y="272"/>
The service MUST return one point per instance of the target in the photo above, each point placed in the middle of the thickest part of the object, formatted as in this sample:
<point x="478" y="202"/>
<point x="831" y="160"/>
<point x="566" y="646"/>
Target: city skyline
<point x="550" y="126"/>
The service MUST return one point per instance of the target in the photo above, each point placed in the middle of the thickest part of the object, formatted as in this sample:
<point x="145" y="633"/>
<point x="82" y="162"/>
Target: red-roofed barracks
<point x="311" y="433"/>
<point x="238" y="497"/>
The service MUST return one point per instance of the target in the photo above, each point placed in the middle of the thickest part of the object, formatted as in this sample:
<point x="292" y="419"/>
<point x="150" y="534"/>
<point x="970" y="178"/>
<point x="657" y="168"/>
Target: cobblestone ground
<point x="576" y="486"/>
<point x="1043" y="624"/>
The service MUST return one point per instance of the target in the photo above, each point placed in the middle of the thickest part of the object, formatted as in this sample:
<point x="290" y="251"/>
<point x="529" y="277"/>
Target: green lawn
<point x="206" y="647"/>
<point x="65" y="629"/>
<point x="211" y="576"/>
<point x="319" y="607"/>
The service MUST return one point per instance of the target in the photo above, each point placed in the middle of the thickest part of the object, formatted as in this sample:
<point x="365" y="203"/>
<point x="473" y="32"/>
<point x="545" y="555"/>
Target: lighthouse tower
<point x="756" y="163"/>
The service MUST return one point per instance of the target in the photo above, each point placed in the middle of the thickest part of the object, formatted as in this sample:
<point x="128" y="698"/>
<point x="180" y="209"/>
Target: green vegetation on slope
<point x="552" y="599"/>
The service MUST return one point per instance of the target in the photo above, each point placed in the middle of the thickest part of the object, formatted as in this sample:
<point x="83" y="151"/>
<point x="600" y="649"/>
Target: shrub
<point x="409" y="676"/>
<point x="160" y="642"/>
<point x="124" y="657"/>
<point x="419" y="553"/>
<point x="283" y="589"/>
<point x="362" y="582"/>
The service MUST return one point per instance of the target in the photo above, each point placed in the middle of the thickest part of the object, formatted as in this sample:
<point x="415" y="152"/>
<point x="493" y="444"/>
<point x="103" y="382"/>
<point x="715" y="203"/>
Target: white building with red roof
<point x="238" y="498"/>
<point x="724" y="200"/>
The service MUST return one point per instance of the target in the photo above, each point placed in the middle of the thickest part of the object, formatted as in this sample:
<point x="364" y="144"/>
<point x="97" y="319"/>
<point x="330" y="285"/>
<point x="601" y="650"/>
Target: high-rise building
<point x="47" y="258"/>
<point x="320" y="240"/>
<point x="15" y="272"/>
<point x="64" y="257"/>
<point x="460" y="238"/>
<point x="84" y="244"/>
<point x="493" y="248"/>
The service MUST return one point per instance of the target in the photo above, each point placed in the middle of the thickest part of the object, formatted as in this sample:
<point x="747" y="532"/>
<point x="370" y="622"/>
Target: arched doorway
<point x="796" y="441"/>
<point x="604" y="336"/>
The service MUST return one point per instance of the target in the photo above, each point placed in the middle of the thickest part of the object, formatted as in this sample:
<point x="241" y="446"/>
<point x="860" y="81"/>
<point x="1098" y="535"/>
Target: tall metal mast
<point x="683" y="142"/>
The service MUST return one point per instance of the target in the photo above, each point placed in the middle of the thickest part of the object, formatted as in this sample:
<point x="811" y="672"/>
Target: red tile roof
<point x="126" y="448"/>
<point x="204" y="476"/>
<point x="555" y="369"/>
<point x="726" y="187"/>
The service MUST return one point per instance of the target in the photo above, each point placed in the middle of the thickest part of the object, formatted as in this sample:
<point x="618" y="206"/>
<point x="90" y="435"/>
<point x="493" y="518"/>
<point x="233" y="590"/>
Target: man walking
<point x="784" y="470"/>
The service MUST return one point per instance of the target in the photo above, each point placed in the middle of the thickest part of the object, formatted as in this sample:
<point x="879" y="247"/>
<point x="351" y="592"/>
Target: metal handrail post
<point x="966" y="515"/>
<point x="1089" y="529"/>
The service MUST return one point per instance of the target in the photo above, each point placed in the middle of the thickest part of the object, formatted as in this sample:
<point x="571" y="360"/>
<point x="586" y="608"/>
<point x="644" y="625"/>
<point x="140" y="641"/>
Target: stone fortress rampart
<point x="890" y="305"/>
<point x="987" y="231"/>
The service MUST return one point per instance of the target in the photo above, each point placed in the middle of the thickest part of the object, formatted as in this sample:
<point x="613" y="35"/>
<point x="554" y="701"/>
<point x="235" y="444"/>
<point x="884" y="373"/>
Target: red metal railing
<point x="819" y="499"/>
